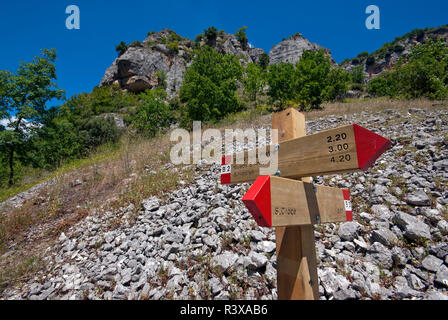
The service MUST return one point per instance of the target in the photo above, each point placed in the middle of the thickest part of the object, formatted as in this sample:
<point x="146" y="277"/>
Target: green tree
<point x="263" y="61"/>
<point x="54" y="143"/>
<point x="282" y="80"/>
<point x="313" y="69"/>
<point x="254" y="81"/>
<point x="241" y="36"/>
<point x="336" y="84"/>
<point x="24" y="101"/>
<point x="152" y="113"/>
<point x="210" y="84"/>
<point x="311" y="81"/>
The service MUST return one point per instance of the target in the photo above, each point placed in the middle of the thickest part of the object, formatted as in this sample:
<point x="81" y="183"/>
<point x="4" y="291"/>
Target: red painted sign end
<point x="258" y="200"/>
<point x="369" y="146"/>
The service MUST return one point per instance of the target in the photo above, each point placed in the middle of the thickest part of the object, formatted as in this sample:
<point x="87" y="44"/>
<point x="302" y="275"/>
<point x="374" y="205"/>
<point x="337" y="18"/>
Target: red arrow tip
<point x="258" y="200"/>
<point x="369" y="146"/>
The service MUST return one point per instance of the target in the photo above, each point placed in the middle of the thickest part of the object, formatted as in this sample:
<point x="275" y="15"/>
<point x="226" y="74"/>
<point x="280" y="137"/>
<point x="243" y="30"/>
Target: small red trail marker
<point x="275" y="202"/>
<point x="340" y="150"/>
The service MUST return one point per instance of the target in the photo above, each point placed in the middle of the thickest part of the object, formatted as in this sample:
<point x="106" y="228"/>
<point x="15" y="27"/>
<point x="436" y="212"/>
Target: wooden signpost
<point x="292" y="206"/>
<point x="344" y="149"/>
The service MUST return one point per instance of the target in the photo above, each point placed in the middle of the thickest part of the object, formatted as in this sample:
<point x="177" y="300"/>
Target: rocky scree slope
<point x="202" y="243"/>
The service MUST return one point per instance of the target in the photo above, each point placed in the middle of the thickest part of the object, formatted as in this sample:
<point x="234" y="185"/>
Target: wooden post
<point x="296" y="253"/>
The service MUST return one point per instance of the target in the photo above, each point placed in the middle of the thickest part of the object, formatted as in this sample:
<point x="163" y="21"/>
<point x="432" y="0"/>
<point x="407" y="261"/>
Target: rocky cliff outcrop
<point x="228" y="43"/>
<point x="388" y="55"/>
<point x="164" y="56"/>
<point x="291" y="49"/>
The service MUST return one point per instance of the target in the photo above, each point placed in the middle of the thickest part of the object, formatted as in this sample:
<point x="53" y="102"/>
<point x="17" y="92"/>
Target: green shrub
<point x="152" y="114"/>
<point x="363" y="54"/>
<point x="174" y="37"/>
<point x="295" y="35"/>
<point x="161" y="79"/>
<point x="56" y="143"/>
<point x="313" y="69"/>
<point x="357" y="74"/>
<point x="105" y="99"/>
<point x="173" y="46"/>
<point x="121" y="48"/>
<point x="263" y="61"/>
<point x="383" y="85"/>
<point x="398" y="48"/>
<point x="198" y="38"/>
<point x="370" y="60"/>
<point x="98" y="131"/>
<point x="136" y="43"/>
<point x="211" y="34"/>
<point x="356" y="86"/>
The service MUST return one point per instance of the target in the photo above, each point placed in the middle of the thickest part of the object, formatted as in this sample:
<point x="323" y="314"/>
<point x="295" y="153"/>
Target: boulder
<point x="418" y="198"/>
<point x="224" y="261"/>
<point x="348" y="231"/>
<point x="431" y="263"/>
<point x="413" y="228"/>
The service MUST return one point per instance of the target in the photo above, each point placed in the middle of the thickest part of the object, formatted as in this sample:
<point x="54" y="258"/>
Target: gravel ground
<point x="202" y="243"/>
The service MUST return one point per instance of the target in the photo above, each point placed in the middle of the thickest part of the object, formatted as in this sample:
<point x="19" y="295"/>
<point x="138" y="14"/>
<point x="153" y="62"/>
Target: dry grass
<point x="261" y="115"/>
<point x="371" y="105"/>
<point x="20" y="270"/>
<point x="110" y="180"/>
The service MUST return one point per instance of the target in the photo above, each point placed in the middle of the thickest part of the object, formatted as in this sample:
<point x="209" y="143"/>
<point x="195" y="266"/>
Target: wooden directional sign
<point x="344" y="149"/>
<point x="275" y="201"/>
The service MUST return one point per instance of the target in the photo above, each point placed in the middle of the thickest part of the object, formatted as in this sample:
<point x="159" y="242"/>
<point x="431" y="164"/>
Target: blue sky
<point x="26" y="26"/>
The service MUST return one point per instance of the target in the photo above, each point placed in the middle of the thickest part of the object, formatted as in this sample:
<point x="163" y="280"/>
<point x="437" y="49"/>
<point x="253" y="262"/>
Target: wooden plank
<point x="344" y="149"/>
<point x="275" y="201"/>
<point x="296" y="253"/>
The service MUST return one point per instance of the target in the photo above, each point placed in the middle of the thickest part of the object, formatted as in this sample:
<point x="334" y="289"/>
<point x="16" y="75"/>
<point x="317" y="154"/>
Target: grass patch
<point x="20" y="271"/>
